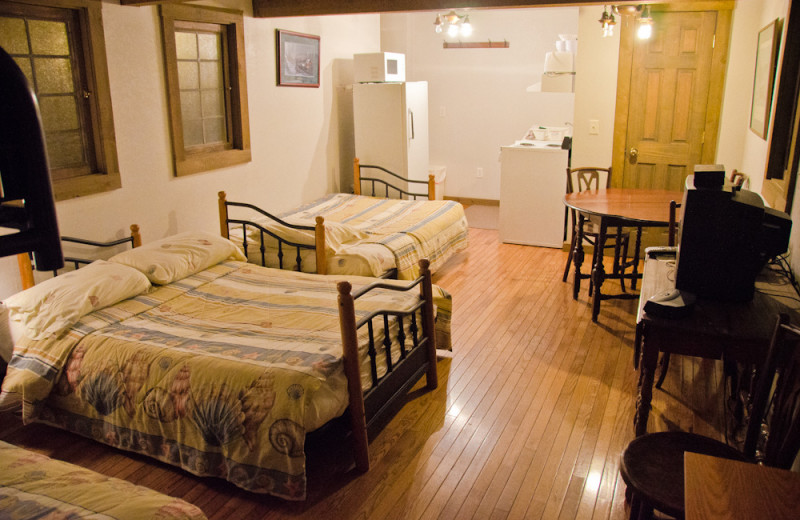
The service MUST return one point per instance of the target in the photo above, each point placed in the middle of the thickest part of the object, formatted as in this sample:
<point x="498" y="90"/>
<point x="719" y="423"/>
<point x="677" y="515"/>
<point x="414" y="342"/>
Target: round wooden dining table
<point x="616" y="207"/>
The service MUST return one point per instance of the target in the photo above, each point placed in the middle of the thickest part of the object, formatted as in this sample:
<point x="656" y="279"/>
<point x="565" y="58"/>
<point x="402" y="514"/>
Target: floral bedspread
<point x="35" y="486"/>
<point x="221" y="373"/>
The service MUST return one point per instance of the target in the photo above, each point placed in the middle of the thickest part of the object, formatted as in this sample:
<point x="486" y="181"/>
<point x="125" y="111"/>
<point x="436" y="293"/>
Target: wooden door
<point x="670" y="89"/>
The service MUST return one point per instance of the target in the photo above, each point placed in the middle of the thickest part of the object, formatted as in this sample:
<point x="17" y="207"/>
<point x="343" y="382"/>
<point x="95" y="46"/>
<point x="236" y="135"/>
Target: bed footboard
<point x="225" y="222"/>
<point x="358" y="178"/>
<point x="370" y="409"/>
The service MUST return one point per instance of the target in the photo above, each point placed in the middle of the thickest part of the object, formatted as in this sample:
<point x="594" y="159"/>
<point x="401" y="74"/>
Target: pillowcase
<point x="179" y="256"/>
<point x="58" y="303"/>
<point x="336" y="233"/>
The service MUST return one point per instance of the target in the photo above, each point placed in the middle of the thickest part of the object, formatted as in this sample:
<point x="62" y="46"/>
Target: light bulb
<point x="466" y="27"/>
<point x="452" y="30"/>
<point x="645" y="31"/>
<point x="438" y="28"/>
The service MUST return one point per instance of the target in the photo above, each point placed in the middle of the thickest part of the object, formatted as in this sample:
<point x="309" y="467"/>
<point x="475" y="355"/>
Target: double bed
<point x="181" y="351"/>
<point x="362" y="235"/>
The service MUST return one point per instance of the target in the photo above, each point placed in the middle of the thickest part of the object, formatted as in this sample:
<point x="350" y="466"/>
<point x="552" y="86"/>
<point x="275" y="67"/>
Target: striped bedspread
<point x="221" y="373"/>
<point x="33" y="486"/>
<point x="411" y="229"/>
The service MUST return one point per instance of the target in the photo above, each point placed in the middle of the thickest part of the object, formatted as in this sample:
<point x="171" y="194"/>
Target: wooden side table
<point x="724" y="489"/>
<point x="739" y="330"/>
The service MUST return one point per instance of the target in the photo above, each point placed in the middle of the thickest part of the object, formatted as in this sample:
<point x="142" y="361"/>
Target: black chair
<point x="590" y="178"/>
<point x="652" y="464"/>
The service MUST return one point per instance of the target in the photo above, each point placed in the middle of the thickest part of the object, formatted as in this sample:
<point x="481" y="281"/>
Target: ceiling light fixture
<point x="641" y="14"/>
<point x="645" y="30"/>
<point x="455" y="24"/>
<point x="608" y="21"/>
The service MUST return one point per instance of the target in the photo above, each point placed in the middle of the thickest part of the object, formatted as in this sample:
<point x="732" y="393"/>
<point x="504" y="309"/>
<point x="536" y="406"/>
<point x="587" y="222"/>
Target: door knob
<point x="633" y="154"/>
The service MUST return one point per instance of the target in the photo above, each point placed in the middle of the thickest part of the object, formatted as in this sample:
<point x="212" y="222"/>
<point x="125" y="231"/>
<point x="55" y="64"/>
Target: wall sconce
<point x="456" y="24"/>
<point x="641" y="14"/>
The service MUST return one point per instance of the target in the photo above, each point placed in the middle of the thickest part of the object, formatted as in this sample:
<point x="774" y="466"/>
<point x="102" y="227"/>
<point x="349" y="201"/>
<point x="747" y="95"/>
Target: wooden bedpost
<point x="431" y="187"/>
<point x="137" y="238"/>
<point x="426" y="291"/>
<point x="319" y="240"/>
<point x="25" y="270"/>
<point x="356" y="176"/>
<point x="358" y="418"/>
<point x="223" y="215"/>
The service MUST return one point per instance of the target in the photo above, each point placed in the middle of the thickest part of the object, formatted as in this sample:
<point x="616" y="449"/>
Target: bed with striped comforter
<point x="221" y="373"/>
<point x="34" y="486"/>
<point x="409" y="229"/>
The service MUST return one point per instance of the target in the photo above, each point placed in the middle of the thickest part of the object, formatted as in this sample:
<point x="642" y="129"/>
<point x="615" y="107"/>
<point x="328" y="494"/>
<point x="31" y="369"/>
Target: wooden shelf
<point x="476" y="45"/>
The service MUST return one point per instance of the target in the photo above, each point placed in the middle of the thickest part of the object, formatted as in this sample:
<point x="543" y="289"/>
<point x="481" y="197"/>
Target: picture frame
<point x="297" y="59"/>
<point x="764" y="79"/>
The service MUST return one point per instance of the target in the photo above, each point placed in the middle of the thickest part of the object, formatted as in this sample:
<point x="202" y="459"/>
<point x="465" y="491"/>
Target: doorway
<point x="669" y="95"/>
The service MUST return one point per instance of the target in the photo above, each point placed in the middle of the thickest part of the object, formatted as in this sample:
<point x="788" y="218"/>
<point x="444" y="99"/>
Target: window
<point x="206" y="87"/>
<point x="61" y="51"/>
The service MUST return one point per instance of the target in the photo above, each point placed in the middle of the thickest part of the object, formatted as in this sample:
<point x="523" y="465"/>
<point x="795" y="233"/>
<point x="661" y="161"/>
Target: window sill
<point x="201" y="162"/>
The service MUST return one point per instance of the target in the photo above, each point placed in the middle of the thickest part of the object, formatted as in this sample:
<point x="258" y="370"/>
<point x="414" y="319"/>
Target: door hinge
<point x="714" y="41"/>
<point x="703" y="138"/>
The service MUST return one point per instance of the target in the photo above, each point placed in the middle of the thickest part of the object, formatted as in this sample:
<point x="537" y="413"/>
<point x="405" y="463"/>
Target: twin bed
<point x="181" y="351"/>
<point x="362" y="235"/>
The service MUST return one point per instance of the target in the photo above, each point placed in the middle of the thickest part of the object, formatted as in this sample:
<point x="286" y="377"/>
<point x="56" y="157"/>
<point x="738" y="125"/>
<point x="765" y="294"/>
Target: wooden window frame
<point x="88" y="43"/>
<point x="204" y="158"/>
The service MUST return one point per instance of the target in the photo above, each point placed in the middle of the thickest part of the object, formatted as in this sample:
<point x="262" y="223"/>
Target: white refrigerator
<point x="390" y="123"/>
<point x="533" y="181"/>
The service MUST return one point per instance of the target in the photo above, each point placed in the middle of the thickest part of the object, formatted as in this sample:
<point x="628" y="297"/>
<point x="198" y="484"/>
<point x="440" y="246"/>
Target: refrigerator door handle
<point x="411" y="122"/>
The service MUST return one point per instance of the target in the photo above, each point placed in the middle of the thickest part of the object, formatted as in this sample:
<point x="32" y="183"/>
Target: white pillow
<point x="179" y="256"/>
<point x="336" y="233"/>
<point x="58" y="303"/>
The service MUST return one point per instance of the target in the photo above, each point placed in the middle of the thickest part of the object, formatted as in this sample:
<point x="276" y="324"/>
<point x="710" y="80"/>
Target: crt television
<point x="727" y="235"/>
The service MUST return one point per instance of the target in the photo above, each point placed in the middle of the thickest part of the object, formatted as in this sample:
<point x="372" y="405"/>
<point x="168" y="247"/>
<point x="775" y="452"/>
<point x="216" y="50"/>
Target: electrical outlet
<point x="479" y="173"/>
<point x="594" y="127"/>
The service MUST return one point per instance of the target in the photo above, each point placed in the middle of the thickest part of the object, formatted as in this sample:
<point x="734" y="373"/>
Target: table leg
<point x="577" y="257"/>
<point x="647" y="370"/>
<point x="636" y="253"/>
<point x="598" y="271"/>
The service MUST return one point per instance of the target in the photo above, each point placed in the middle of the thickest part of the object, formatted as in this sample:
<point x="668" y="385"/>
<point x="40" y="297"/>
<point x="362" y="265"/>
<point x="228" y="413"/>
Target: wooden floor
<point x="533" y="408"/>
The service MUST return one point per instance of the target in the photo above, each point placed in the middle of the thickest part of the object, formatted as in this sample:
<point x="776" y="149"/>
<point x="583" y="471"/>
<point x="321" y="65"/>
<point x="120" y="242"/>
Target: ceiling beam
<point x="151" y="2"/>
<point x="275" y="8"/>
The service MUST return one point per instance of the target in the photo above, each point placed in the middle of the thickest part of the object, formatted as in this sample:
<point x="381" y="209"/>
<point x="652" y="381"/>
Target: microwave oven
<point x="379" y="67"/>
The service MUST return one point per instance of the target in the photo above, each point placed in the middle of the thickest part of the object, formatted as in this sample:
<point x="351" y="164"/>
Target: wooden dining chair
<point x="591" y="178"/>
<point x="652" y="464"/>
<point x="739" y="180"/>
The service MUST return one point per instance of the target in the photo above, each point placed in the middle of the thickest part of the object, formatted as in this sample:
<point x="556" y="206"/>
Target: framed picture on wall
<point x="764" y="80"/>
<point x="297" y="59"/>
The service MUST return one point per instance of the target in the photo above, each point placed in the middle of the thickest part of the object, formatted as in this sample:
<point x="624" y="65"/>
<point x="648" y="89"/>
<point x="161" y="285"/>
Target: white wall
<point x="477" y="99"/>
<point x="295" y="132"/>
<point x="595" y="90"/>
<point x="739" y="147"/>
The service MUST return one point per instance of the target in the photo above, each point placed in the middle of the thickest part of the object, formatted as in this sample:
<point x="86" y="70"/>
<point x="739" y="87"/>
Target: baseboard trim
<point x="469" y="201"/>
